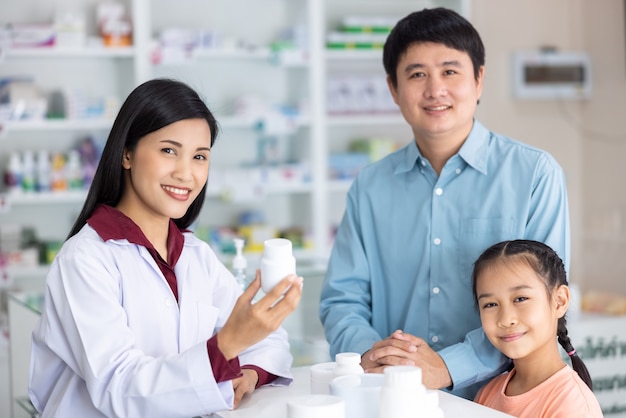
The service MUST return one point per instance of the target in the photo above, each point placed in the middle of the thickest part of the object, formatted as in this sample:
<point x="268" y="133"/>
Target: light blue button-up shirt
<point x="406" y="245"/>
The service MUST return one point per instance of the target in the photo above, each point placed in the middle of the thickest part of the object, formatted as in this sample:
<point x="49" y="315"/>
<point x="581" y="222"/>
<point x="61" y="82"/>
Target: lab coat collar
<point x="112" y="224"/>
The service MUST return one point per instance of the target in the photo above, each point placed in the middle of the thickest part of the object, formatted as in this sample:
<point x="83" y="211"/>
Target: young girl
<point x="521" y="291"/>
<point x="140" y="317"/>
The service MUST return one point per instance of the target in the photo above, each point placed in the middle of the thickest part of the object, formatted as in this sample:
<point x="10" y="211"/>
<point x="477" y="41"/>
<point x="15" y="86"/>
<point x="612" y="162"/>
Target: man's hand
<point x="388" y="352"/>
<point x="244" y="385"/>
<point x="405" y="349"/>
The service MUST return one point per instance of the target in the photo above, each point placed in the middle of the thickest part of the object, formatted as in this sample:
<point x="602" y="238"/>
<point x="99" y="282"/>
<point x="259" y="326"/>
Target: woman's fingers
<point x="290" y="286"/>
<point x="250" y="322"/>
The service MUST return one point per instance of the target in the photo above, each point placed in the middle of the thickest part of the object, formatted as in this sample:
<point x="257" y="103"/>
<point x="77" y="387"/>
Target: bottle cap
<point x="314" y="406"/>
<point x="403" y="377"/>
<point x="277" y="248"/>
<point x="348" y="359"/>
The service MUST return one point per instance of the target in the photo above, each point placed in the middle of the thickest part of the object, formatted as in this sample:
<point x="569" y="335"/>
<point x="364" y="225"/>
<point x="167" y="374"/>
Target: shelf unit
<point x="220" y="75"/>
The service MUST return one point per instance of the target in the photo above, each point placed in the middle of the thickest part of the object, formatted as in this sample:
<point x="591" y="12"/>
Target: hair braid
<point x="577" y="363"/>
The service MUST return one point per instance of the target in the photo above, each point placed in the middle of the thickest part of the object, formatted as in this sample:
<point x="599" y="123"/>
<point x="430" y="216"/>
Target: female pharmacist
<point x="140" y="317"/>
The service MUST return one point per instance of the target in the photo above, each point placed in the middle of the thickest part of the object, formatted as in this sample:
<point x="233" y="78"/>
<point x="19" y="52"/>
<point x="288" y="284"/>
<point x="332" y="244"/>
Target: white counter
<point x="271" y="402"/>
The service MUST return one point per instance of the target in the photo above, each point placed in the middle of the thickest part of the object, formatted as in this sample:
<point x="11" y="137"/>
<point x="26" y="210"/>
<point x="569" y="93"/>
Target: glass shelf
<point x="56" y="125"/>
<point x="59" y="52"/>
<point x="375" y="119"/>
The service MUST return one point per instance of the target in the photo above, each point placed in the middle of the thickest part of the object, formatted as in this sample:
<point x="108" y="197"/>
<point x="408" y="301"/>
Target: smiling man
<point x="398" y="286"/>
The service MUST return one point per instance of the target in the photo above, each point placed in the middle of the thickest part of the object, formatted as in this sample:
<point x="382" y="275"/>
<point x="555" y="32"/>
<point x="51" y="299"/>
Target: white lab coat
<point x="112" y="341"/>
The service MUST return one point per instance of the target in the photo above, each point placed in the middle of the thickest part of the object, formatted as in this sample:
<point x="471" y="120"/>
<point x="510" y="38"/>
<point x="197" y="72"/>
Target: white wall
<point x="604" y="148"/>
<point x="568" y="129"/>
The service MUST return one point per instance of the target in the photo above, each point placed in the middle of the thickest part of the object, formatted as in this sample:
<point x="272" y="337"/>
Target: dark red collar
<point x="110" y="224"/>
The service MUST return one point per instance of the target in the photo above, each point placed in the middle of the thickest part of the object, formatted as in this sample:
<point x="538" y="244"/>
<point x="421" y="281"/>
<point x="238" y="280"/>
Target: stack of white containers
<point x="398" y="393"/>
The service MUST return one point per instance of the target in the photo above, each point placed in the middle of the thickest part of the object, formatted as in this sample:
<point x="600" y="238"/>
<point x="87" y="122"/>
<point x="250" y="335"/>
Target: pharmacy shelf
<point x="287" y="59"/>
<point x="100" y="124"/>
<point x="78" y="196"/>
<point x="245" y="71"/>
<point x="46" y="198"/>
<point x="232" y="53"/>
<point x="241" y="122"/>
<point x="375" y="119"/>
<point x="97" y="124"/>
<point x="59" y="52"/>
<point x="354" y="54"/>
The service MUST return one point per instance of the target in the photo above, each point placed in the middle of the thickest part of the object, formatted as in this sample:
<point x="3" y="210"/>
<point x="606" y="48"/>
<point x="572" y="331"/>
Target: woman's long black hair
<point x="548" y="265"/>
<point x="149" y="107"/>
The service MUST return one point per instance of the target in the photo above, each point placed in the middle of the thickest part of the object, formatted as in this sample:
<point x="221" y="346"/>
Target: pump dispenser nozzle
<point x="240" y="264"/>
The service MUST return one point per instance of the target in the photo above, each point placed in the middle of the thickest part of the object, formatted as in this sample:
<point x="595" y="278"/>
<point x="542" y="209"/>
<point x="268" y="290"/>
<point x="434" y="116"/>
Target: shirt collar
<point x="473" y="151"/>
<point x="111" y="224"/>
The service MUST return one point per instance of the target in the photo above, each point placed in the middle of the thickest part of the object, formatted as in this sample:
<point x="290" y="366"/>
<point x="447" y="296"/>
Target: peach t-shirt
<point x="563" y="395"/>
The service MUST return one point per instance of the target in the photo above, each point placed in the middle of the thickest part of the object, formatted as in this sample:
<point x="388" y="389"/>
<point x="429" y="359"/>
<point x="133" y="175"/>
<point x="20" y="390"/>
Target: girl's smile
<point x="517" y="314"/>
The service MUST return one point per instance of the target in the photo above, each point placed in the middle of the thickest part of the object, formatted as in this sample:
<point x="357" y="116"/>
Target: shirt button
<point x="434" y="339"/>
<point x="436" y="290"/>
<point x="458" y="171"/>
<point x="423" y="163"/>
<point x="439" y="191"/>
<point x="169" y="302"/>
<point x="437" y="241"/>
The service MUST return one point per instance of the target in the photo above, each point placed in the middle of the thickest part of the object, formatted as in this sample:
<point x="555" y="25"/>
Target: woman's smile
<point x="177" y="193"/>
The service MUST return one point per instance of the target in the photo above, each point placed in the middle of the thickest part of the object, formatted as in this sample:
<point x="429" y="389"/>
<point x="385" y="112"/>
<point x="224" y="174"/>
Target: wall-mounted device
<point x="551" y="74"/>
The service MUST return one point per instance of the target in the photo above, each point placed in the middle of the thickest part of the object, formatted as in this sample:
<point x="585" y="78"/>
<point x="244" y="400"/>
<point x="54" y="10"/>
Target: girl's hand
<point x="250" y="323"/>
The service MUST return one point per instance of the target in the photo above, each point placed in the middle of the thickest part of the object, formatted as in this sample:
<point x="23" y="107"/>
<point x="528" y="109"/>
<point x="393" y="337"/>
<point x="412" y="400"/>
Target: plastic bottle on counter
<point x="240" y="264"/>
<point x="404" y="396"/>
<point x="348" y="364"/>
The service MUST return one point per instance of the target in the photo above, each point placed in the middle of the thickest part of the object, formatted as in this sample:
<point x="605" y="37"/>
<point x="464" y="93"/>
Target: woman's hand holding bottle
<point x="250" y="322"/>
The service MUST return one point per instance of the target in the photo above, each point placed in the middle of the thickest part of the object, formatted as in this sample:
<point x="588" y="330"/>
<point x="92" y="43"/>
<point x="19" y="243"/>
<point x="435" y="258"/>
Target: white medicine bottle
<point x="404" y="396"/>
<point x="347" y="364"/>
<point x="277" y="262"/>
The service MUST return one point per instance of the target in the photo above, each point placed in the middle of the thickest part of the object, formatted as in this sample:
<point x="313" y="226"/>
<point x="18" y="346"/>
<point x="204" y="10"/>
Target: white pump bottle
<point x="240" y="264"/>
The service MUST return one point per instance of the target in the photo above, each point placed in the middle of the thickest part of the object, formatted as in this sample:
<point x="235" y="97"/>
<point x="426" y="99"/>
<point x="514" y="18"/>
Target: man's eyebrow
<point x="452" y="63"/>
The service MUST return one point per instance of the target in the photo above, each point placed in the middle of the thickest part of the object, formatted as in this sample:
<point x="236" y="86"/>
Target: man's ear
<point x="561" y="300"/>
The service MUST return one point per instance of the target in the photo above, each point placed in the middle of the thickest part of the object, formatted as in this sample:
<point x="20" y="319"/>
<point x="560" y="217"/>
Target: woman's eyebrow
<point x="179" y="145"/>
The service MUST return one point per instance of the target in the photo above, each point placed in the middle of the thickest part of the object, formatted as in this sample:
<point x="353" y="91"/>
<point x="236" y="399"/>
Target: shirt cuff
<point x="223" y="369"/>
<point x="264" y="376"/>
